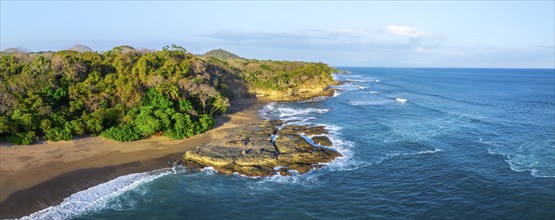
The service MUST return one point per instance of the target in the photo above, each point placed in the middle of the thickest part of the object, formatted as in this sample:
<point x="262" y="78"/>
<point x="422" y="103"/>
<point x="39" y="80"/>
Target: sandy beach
<point x="41" y="175"/>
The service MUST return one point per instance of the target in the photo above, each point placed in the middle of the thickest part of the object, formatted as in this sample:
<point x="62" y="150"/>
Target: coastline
<point x="42" y="175"/>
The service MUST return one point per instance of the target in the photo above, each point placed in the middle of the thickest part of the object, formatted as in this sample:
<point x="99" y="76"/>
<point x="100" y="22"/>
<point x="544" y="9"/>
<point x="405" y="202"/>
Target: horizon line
<point x="25" y="50"/>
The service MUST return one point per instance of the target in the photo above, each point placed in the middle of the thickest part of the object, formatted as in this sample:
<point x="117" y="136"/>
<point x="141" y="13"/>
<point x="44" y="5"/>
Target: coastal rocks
<point x="322" y="141"/>
<point x="262" y="150"/>
<point x="303" y="129"/>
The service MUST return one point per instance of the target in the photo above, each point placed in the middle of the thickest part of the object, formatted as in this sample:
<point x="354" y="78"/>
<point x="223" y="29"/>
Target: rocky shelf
<point x="263" y="150"/>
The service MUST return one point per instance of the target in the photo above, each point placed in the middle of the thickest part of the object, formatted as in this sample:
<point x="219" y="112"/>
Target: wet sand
<point x="33" y="177"/>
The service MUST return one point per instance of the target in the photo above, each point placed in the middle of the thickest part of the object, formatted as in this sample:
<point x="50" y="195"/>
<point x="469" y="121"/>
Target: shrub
<point x="58" y="134"/>
<point x="123" y="133"/>
<point x="22" y="138"/>
<point x="182" y="128"/>
<point x="204" y="123"/>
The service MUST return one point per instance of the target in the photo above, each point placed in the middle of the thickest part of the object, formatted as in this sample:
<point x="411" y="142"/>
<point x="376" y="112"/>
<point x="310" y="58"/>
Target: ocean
<point x="417" y="143"/>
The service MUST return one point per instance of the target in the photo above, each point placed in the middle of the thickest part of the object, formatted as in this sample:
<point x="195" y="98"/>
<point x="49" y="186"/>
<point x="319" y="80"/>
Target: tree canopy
<point x="126" y="94"/>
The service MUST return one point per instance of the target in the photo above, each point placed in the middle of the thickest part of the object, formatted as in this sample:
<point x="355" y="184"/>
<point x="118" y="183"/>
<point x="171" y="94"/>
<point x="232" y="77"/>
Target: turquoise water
<point x="467" y="143"/>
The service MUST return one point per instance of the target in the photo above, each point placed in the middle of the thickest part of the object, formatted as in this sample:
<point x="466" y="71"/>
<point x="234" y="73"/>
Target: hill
<point x="221" y="54"/>
<point x="16" y="50"/>
<point x="80" y="48"/>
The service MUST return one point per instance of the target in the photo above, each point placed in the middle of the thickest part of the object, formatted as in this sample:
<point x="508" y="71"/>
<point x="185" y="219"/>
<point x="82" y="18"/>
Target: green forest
<point x="125" y="94"/>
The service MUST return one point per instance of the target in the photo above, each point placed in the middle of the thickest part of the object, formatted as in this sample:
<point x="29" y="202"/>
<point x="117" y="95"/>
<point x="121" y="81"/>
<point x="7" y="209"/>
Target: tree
<point x="146" y="123"/>
<point x="219" y="103"/>
<point x="182" y="127"/>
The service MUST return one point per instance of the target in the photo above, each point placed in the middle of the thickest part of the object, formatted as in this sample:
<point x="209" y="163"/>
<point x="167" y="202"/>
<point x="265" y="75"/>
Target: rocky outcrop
<point x="263" y="150"/>
<point x="292" y="94"/>
<point x="322" y="141"/>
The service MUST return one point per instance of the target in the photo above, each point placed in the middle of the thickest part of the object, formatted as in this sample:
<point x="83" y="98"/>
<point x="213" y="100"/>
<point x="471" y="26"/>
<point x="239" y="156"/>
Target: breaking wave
<point x="97" y="197"/>
<point x="288" y="112"/>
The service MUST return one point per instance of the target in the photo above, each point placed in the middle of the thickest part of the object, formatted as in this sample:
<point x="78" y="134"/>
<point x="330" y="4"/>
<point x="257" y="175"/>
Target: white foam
<point x="266" y="110"/>
<point x="378" y="81"/>
<point x="370" y="102"/>
<point x="316" y="99"/>
<point x="296" y="121"/>
<point x="401" y="100"/>
<point x="362" y="87"/>
<point x="536" y="173"/>
<point x="347" y="87"/>
<point x="276" y="168"/>
<point x="518" y="163"/>
<point x="396" y="154"/>
<point x="344" y="147"/>
<point x="373" y="92"/>
<point x="303" y="116"/>
<point x="516" y="166"/>
<point x="286" y="112"/>
<point x="245" y="176"/>
<point x="309" y="179"/>
<point x="528" y="157"/>
<point x="209" y="170"/>
<point x="97" y="197"/>
<point x="355" y="80"/>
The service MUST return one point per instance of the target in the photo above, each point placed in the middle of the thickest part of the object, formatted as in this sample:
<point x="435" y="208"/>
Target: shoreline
<point x="53" y="191"/>
<point x="42" y="175"/>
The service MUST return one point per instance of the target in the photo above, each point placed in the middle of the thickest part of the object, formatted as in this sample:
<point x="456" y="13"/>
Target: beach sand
<point x="34" y="177"/>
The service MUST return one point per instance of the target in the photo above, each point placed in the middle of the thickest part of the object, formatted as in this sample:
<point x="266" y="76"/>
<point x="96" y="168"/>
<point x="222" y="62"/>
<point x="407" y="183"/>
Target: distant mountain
<point x="221" y="54"/>
<point x="80" y="48"/>
<point x="16" y="50"/>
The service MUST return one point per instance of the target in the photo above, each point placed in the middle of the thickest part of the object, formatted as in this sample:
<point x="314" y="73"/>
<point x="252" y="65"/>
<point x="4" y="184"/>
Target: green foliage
<point x="219" y="103"/>
<point x="146" y="123"/>
<point x="4" y="125"/>
<point x="77" y="127"/>
<point x="205" y="123"/>
<point x="283" y="75"/>
<point x="182" y="127"/>
<point x="185" y="106"/>
<point x="126" y="94"/>
<point x="58" y="134"/>
<point x="22" y="137"/>
<point x="122" y="133"/>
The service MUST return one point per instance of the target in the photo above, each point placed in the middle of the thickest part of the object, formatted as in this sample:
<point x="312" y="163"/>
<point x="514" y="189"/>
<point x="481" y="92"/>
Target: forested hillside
<point x="126" y="94"/>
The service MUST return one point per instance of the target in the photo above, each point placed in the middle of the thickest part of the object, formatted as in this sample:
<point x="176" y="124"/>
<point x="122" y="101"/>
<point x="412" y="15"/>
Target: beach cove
<point x="42" y="175"/>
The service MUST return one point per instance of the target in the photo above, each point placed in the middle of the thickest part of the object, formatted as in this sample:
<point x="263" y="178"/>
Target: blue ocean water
<point x="417" y="144"/>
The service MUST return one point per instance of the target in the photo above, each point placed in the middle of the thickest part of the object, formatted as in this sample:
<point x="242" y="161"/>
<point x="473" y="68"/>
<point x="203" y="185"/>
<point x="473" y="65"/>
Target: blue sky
<point x="395" y="34"/>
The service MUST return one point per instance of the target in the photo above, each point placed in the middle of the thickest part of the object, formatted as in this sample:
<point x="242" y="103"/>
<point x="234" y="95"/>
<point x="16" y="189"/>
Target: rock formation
<point x="263" y="150"/>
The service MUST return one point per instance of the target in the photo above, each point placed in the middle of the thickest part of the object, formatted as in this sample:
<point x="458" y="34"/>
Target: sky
<point x="512" y="34"/>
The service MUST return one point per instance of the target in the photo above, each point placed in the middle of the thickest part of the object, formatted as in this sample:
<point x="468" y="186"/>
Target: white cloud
<point x="344" y="39"/>
<point x="404" y="31"/>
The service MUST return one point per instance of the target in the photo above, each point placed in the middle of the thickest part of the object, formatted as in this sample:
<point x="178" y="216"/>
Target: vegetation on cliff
<point x="284" y="75"/>
<point x="126" y="94"/>
<point x="278" y="80"/>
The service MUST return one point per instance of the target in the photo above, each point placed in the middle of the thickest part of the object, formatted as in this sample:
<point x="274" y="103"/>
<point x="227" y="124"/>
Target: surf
<point x="401" y="100"/>
<point x="97" y="197"/>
